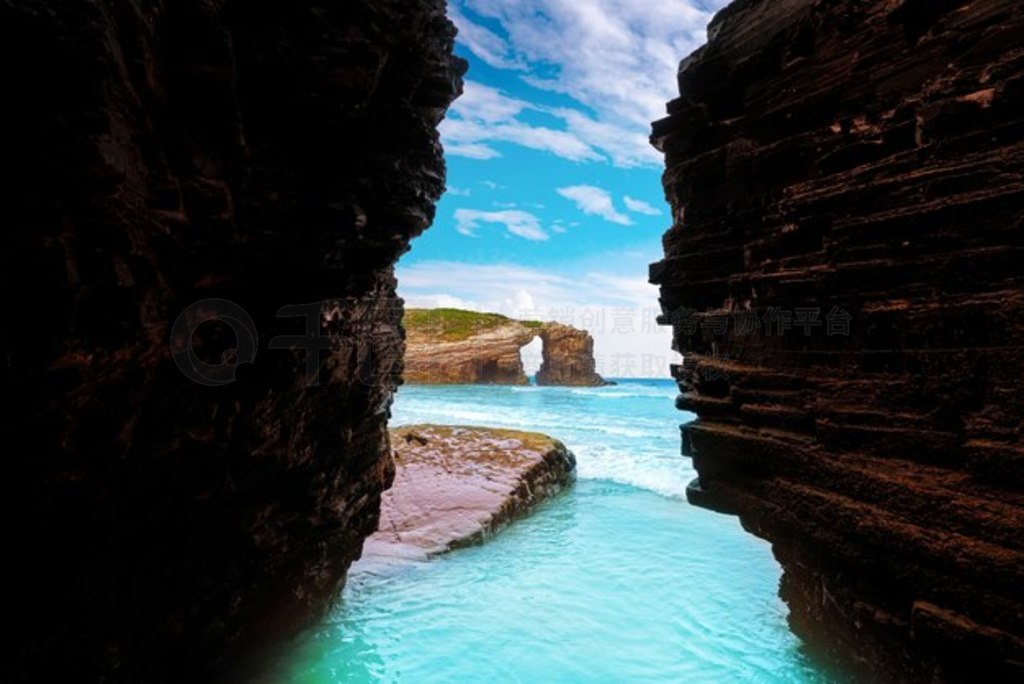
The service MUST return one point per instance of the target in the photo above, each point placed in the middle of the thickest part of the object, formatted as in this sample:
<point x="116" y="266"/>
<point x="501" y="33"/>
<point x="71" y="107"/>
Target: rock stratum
<point x="844" y="280"/>
<point x="456" y="347"/>
<point x="456" y="486"/>
<point x="265" y="152"/>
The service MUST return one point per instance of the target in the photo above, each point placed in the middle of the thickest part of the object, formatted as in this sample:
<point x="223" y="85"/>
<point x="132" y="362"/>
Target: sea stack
<point x="568" y="357"/>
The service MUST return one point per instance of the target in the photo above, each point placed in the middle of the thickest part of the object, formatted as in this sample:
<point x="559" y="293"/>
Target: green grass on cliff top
<point x="470" y="435"/>
<point x="454" y="325"/>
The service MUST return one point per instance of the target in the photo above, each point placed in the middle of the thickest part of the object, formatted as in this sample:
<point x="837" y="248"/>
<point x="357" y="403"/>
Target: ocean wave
<point x="625" y="392"/>
<point x="617" y="433"/>
<point x="555" y="424"/>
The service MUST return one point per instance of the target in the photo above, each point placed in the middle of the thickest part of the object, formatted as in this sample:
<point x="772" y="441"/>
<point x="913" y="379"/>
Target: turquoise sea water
<point x="615" y="580"/>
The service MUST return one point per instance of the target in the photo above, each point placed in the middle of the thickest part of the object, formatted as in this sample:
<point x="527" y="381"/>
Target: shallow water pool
<point x="616" y="580"/>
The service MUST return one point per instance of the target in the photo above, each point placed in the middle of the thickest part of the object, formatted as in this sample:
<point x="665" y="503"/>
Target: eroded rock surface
<point x="489" y="357"/>
<point x="567" y="357"/>
<point x="267" y="152"/>
<point x="455" y="347"/>
<point x="454" y="486"/>
<point x="858" y="166"/>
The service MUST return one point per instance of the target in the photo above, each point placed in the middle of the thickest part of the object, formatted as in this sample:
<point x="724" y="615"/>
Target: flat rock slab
<point x="454" y="486"/>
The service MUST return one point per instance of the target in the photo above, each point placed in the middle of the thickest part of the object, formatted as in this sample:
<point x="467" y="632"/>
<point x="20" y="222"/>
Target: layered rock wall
<point x="438" y="354"/>
<point x="844" y="278"/>
<point x="490" y="357"/>
<point x="567" y="357"/>
<point x="267" y="152"/>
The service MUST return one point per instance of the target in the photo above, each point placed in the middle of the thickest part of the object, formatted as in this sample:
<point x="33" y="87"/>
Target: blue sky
<point x="554" y="205"/>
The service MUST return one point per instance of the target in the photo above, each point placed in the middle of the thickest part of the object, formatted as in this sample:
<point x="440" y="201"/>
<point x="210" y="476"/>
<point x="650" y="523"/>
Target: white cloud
<point x="472" y="128"/>
<point x="618" y="310"/>
<point x="616" y="57"/>
<point x="480" y="102"/>
<point x="484" y="116"/>
<point x="472" y="151"/>
<point x="595" y="201"/>
<point x="516" y="222"/>
<point x="622" y="56"/>
<point x="440" y="301"/>
<point x="627" y="147"/>
<point x="490" y="285"/>
<point x="459" y="192"/>
<point x="640" y="207"/>
<point x="484" y="43"/>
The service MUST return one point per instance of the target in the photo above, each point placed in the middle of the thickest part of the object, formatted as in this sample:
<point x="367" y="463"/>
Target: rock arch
<point x="492" y="356"/>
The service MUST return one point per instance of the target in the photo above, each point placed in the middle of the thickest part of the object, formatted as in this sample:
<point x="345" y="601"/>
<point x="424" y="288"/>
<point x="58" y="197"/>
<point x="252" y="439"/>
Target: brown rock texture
<point x="456" y="486"/>
<point x="490" y="357"/>
<point x="440" y="351"/>
<point x="860" y="163"/>
<point x="567" y="357"/>
<point x="267" y="152"/>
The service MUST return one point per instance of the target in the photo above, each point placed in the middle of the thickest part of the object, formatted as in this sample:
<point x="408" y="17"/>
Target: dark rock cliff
<point x="845" y="281"/>
<point x="266" y="152"/>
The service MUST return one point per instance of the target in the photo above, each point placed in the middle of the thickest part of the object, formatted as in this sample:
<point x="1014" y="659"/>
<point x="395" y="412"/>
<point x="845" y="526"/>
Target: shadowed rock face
<point x="455" y="486"/>
<point x="846" y="179"/>
<point x="267" y="152"/>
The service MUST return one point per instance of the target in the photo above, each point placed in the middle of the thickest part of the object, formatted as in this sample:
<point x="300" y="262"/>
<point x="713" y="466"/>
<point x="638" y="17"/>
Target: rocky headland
<point x="455" y="486"/>
<point x="847" y="179"/>
<point x="456" y="347"/>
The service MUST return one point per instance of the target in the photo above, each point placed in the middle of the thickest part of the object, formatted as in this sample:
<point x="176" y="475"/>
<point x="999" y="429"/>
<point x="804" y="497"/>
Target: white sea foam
<point x="626" y="433"/>
<point x="664" y="476"/>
